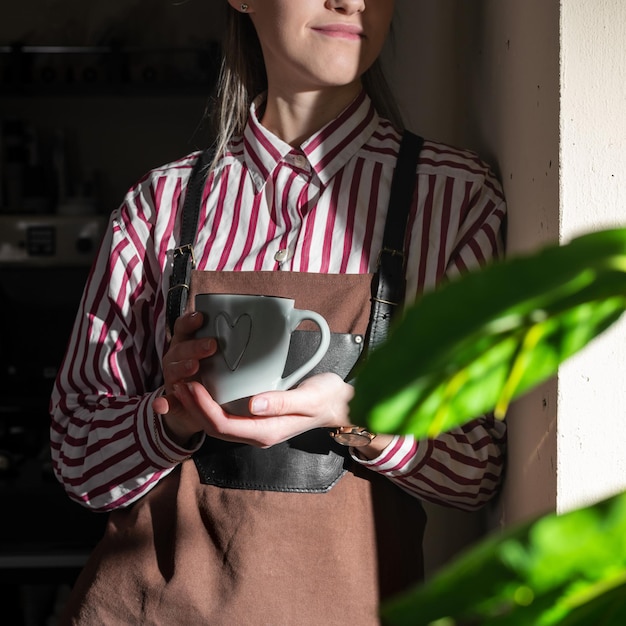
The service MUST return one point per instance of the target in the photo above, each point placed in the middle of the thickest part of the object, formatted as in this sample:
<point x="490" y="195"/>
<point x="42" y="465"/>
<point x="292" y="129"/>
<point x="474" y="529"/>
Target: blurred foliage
<point x="480" y="341"/>
<point x="470" y="347"/>
<point x="566" y="569"/>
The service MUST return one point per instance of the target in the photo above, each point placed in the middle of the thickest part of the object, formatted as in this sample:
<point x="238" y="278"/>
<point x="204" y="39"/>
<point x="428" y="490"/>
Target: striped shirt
<point x="324" y="206"/>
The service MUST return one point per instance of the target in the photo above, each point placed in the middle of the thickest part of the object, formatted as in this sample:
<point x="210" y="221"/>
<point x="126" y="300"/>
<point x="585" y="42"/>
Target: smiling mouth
<point x="340" y="31"/>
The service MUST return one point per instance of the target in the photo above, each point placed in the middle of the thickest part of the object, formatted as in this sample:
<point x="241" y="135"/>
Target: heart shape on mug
<point x="233" y="337"/>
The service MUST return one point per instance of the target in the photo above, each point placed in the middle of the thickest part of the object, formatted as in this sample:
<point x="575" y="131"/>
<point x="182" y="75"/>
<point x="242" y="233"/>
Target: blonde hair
<point x="242" y="77"/>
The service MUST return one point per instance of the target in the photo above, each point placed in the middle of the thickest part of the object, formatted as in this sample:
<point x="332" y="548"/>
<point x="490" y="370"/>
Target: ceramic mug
<point x="253" y="334"/>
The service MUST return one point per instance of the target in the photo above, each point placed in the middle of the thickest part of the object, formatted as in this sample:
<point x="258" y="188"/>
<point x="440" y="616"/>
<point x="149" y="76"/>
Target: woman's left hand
<point x="319" y="401"/>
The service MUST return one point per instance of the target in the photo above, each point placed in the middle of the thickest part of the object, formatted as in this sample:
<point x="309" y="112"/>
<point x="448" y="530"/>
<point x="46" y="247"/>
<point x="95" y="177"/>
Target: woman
<point x="294" y="204"/>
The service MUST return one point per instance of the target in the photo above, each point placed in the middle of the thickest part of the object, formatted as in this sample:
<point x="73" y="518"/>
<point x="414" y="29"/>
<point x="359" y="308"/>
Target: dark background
<point x="92" y="96"/>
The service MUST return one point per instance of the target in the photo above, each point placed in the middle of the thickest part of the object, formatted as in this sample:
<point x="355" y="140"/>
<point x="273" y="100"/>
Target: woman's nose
<point x="347" y="7"/>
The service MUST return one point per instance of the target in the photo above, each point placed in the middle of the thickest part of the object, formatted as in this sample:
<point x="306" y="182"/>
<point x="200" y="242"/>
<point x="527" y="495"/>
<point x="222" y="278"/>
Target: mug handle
<point x="300" y="315"/>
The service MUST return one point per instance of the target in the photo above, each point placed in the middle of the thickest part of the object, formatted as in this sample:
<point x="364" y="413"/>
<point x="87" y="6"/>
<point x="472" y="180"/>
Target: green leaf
<point x="556" y="570"/>
<point x="602" y="605"/>
<point x="476" y="343"/>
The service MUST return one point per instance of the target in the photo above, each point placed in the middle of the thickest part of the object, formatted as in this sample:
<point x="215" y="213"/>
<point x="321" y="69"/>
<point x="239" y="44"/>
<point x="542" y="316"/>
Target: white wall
<point x="592" y="389"/>
<point x="538" y="87"/>
<point x="513" y="79"/>
<point x="555" y="74"/>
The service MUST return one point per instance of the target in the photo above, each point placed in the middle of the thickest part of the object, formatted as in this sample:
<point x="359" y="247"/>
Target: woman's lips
<point x="341" y="31"/>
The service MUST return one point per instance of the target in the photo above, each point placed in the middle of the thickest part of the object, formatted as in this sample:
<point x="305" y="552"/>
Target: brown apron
<point x="191" y="553"/>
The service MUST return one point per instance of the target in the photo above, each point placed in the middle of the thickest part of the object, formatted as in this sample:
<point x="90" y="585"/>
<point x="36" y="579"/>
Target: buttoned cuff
<point x="161" y="449"/>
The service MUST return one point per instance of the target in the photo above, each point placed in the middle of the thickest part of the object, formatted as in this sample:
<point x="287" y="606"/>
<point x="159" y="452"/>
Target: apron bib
<point x="194" y="553"/>
<point x="312" y="462"/>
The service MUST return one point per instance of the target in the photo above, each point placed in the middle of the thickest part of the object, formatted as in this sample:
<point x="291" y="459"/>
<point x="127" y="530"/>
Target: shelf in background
<point x="107" y="71"/>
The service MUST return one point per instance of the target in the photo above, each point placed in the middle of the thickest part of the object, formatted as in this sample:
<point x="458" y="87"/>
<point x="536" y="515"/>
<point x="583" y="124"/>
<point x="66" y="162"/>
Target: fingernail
<point x="259" y="405"/>
<point x="208" y="344"/>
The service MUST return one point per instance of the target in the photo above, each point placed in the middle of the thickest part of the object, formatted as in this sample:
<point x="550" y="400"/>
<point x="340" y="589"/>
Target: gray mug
<point x="253" y="334"/>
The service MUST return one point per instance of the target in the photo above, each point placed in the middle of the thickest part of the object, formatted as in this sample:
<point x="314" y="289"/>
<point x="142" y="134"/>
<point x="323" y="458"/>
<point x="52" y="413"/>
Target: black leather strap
<point x="389" y="283"/>
<point x="184" y="260"/>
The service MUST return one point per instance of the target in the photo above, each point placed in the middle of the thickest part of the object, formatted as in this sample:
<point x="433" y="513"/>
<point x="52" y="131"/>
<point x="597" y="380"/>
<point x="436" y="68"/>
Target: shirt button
<point x="300" y="161"/>
<point x="284" y="254"/>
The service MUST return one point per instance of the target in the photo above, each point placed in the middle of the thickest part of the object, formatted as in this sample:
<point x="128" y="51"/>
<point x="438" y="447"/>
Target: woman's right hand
<point x="180" y="364"/>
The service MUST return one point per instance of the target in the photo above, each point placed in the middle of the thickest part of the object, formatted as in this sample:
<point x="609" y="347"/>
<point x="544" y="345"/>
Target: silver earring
<point x="244" y="7"/>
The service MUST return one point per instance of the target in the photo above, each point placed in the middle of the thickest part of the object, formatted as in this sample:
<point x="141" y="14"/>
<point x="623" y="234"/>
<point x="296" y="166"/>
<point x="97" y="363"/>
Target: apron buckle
<point x="183" y="250"/>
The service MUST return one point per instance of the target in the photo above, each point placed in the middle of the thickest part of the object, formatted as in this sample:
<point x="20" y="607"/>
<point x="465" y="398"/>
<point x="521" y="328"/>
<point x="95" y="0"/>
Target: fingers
<point x="320" y="401"/>
<point x="180" y="364"/>
<point x="324" y="397"/>
<point x="263" y="433"/>
<point x="182" y="360"/>
<point x="185" y="345"/>
<point x="183" y="363"/>
<point x="201" y="409"/>
<point x="181" y="370"/>
<point x="161" y="405"/>
<point x="186" y="325"/>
